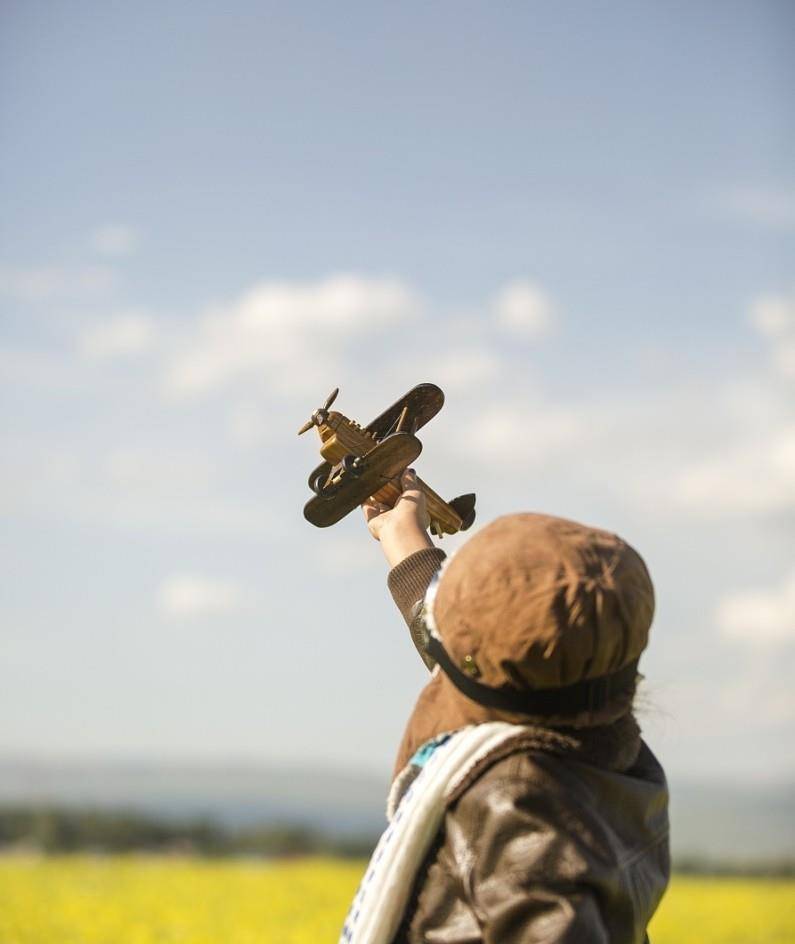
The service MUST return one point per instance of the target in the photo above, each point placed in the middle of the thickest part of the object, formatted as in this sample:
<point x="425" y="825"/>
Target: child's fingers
<point x="410" y="485"/>
<point x="408" y="480"/>
<point x="372" y="509"/>
<point x="413" y="494"/>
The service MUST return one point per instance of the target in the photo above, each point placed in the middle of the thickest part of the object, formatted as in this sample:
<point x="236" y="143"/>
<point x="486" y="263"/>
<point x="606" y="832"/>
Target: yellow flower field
<point x="139" y="900"/>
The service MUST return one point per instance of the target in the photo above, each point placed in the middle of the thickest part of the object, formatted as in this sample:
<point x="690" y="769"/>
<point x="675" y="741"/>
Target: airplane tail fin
<point x="464" y="506"/>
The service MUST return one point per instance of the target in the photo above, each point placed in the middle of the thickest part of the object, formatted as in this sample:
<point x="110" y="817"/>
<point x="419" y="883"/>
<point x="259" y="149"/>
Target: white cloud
<point x="290" y="333"/>
<point x="523" y="308"/>
<point x="159" y="488"/>
<point x="148" y="472"/>
<point x="774" y="317"/>
<point x="528" y="436"/>
<point x="772" y="207"/>
<point x="757" y="475"/>
<point x="189" y="596"/>
<point x="114" y="239"/>
<point x="248" y="425"/>
<point x="749" y="466"/>
<point x="458" y="369"/>
<point x="56" y="283"/>
<point x="342" y="555"/>
<point x="34" y="476"/>
<point x="36" y="367"/>
<point x="745" y="461"/>
<point x="760" y="617"/>
<point x="785" y="359"/>
<point x="122" y="335"/>
<point x="756" y="697"/>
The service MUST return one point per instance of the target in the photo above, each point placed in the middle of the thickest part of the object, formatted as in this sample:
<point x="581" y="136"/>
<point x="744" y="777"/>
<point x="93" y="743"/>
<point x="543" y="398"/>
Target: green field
<point x="139" y="900"/>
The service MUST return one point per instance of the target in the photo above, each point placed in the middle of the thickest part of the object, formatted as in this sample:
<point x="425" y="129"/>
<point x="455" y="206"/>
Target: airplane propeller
<point x="320" y="415"/>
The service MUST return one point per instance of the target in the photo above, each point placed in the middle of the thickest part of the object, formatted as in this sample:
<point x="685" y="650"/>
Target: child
<point x="525" y="806"/>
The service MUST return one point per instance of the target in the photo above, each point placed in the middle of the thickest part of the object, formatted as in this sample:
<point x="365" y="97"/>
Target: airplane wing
<point x="382" y="463"/>
<point x="424" y="401"/>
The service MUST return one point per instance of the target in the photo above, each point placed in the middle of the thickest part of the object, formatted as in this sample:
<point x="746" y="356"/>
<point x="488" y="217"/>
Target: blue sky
<point x="578" y="219"/>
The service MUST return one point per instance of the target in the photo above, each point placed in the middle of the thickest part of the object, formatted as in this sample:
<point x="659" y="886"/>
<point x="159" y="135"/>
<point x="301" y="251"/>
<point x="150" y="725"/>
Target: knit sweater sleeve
<point x="408" y="582"/>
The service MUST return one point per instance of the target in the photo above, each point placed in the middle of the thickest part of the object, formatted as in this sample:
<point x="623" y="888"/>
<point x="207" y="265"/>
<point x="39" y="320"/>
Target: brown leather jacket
<point x="560" y="837"/>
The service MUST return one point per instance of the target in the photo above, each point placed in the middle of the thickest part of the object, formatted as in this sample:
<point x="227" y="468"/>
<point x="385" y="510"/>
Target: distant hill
<point x="722" y="821"/>
<point x="709" y="820"/>
<point x="339" y="803"/>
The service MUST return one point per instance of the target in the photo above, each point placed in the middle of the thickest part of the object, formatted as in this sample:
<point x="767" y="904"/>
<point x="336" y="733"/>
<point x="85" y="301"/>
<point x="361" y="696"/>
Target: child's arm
<point x="409" y="550"/>
<point x="402" y="530"/>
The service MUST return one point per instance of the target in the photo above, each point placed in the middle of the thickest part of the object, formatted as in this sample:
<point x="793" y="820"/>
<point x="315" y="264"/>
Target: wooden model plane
<point x="360" y="462"/>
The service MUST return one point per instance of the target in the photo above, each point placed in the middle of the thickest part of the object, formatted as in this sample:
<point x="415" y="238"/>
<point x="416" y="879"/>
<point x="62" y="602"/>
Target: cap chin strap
<point x="588" y="695"/>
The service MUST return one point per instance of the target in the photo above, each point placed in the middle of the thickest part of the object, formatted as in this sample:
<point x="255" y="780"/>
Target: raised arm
<point x="402" y="532"/>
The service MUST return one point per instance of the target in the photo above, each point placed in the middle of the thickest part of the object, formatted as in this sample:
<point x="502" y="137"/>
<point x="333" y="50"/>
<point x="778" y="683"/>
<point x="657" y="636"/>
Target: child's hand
<point x="402" y="530"/>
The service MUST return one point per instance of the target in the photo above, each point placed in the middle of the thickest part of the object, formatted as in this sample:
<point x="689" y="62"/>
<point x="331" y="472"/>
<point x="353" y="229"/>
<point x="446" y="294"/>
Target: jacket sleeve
<point x="524" y="869"/>
<point x="407" y="583"/>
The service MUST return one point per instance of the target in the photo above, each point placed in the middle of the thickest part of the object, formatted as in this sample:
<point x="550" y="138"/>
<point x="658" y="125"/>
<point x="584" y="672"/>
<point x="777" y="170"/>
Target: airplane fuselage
<point x="341" y="437"/>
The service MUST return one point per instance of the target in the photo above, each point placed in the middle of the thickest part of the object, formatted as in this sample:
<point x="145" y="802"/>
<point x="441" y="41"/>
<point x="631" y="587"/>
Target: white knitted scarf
<point x="414" y="819"/>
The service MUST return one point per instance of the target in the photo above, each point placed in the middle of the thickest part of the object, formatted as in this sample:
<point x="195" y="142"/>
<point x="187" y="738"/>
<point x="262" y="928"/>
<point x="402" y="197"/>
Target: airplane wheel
<point x="317" y="482"/>
<point x="319" y="487"/>
<point x="353" y="465"/>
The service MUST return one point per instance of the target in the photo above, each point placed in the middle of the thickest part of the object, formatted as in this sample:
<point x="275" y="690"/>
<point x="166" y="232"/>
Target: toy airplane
<point x="364" y="462"/>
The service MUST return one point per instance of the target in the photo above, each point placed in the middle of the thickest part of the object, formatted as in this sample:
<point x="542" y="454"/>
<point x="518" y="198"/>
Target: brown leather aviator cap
<point x="538" y="602"/>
